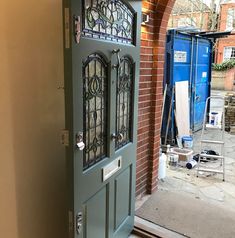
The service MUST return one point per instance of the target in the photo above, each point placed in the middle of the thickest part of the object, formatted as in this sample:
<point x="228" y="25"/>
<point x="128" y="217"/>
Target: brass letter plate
<point x="112" y="168"/>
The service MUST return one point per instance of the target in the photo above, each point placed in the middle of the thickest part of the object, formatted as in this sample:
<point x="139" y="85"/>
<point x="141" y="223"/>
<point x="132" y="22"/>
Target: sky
<point x="208" y="2"/>
<point x="217" y="1"/>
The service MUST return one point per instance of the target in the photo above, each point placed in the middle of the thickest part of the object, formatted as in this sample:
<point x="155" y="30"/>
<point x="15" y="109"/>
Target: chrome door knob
<point x="79" y="141"/>
<point x="118" y="137"/>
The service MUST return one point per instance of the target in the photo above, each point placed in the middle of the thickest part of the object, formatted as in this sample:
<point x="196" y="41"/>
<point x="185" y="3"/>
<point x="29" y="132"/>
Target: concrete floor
<point x="208" y="187"/>
<point x="207" y="192"/>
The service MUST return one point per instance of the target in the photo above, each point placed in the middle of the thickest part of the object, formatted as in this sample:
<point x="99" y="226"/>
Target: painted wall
<point x="32" y="163"/>
<point x="223" y="80"/>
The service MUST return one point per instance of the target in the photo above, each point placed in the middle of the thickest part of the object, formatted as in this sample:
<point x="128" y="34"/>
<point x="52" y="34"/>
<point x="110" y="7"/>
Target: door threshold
<point x="147" y="229"/>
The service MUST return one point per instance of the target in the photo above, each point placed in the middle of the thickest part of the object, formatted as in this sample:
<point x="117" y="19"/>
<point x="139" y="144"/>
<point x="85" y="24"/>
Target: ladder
<point x="218" y="142"/>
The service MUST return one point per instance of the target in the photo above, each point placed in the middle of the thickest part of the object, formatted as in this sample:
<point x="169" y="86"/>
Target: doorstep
<point x="146" y="229"/>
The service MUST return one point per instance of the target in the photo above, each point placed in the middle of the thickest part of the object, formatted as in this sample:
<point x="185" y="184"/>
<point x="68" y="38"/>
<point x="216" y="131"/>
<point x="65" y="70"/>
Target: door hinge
<point x="64" y="139"/>
<point x="79" y="223"/>
<point x="70" y="221"/>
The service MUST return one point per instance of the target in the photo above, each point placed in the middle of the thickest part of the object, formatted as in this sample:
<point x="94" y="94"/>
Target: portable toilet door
<point x="201" y="80"/>
<point x="178" y="67"/>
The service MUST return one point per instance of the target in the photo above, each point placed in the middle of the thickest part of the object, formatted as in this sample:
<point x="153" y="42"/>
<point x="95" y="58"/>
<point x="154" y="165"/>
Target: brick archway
<point x="150" y="92"/>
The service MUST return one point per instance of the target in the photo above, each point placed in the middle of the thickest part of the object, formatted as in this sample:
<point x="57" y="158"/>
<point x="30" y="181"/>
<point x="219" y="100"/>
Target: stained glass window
<point x="94" y="109"/>
<point x="111" y="20"/>
<point x="124" y="102"/>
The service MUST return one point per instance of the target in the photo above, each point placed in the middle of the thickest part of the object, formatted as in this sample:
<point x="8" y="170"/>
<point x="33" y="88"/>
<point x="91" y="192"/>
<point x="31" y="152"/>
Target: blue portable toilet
<point x="187" y="58"/>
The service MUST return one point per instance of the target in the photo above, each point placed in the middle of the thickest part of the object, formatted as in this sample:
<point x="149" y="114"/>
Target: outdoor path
<point x="202" y="207"/>
<point x="189" y="216"/>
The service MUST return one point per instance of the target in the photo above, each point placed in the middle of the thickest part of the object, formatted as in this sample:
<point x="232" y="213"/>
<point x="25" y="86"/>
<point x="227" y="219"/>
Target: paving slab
<point x="213" y="192"/>
<point x="189" y="216"/>
<point x="227" y="188"/>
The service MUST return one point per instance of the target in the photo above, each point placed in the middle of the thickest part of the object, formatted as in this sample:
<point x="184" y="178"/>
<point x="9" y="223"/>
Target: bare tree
<point x="197" y="8"/>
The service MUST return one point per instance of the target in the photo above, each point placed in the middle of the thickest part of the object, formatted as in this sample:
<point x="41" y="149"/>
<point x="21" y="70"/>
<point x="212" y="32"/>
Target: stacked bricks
<point x="150" y="93"/>
<point x="230" y="112"/>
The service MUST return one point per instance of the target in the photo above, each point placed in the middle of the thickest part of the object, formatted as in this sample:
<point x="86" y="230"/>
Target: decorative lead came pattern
<point x="124" y="102"/>
<point x="111" y="20"/>
<point x="94" y="109"/>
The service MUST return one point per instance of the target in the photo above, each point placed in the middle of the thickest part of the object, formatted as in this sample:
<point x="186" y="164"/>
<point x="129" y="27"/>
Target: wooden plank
<point x="155" y="230"/>
<point x="182" y="108"/>
<point x="142" y="234"/>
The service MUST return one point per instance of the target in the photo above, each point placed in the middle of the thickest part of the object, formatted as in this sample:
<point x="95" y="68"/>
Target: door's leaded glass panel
<point x="94" y="109"/>
<point x="111" y="20"/>
<point x="124" y="102"/>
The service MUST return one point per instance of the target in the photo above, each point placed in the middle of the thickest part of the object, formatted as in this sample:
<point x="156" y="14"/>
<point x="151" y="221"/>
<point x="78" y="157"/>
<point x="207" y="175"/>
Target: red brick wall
<point x="229" y="80"/>
<point x="230" y="40"/>
<point x="223" y="15"/>
<point x="221" y="43"/>
<point x="150" y="93"/>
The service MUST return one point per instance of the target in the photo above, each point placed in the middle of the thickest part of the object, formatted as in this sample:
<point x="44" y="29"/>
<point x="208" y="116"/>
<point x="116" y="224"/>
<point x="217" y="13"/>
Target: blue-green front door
<point x="101" y="47"/>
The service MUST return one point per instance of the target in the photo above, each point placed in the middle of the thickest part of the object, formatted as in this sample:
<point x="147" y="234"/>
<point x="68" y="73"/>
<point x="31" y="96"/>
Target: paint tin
<point x="173" y="159"/>
<point x="213" y="118"/>
<point x="187" y="142"/>
<point x="192" y="163"/>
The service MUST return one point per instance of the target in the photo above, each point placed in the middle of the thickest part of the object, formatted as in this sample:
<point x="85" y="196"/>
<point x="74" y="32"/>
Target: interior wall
<point x="32" y="161"/>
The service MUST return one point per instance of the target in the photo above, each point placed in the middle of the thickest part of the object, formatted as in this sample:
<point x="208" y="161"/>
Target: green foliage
<point x="228" y="64"/>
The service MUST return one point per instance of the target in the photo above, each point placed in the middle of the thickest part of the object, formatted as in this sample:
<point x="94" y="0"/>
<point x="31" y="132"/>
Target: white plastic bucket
<point x="162" y="166"/>
<point x="215" y="118"/>
<point x="187" y="142"/>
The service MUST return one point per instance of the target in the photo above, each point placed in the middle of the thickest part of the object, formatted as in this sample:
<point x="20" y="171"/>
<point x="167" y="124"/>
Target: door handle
<point x="117" y="51"/>
<point x="79" y="141"/>
<point x="197" y="98"/>
<point x="118" y="137"/>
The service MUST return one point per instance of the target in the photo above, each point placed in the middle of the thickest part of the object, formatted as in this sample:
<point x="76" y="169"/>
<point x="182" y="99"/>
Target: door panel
<point x="122" y="197"/>
<point x="201" y="82"/>
<point x="101" y="92"/>
<point x="96" y="221"/>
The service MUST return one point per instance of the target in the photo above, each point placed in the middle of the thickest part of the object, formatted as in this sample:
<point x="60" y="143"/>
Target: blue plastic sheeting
<point x="188" y="57"/>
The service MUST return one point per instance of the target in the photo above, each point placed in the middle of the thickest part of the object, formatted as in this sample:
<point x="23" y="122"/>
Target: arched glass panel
<point x="94" y="109"/>
<point x="124" y="102"/>
<point x="111" y="20"/>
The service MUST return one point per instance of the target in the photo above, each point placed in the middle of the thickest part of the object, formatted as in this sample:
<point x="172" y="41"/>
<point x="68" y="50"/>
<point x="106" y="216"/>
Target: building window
<point x="229" y="53"/>
<point x="230" y="24"/>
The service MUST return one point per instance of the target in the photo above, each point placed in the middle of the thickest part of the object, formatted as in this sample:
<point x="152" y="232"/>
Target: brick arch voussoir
<point x="162" y="14"/>
<point x="150" y="94"/>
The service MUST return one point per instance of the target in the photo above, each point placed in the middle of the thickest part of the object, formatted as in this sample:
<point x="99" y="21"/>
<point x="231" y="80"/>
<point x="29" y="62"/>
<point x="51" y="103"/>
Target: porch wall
<point x="150" y="94"/>
<point x="32" y="161"/>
